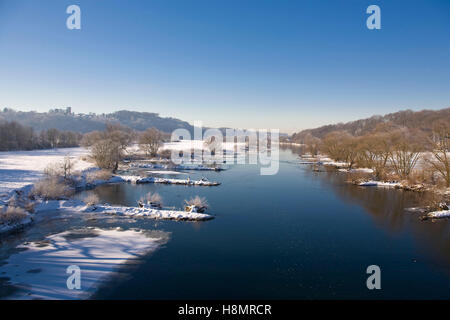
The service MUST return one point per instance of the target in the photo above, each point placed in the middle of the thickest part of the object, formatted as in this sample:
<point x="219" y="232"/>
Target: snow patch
<point x="21" y="168"/>
<point x="439" y="214"/>
<point x="8" y="227"/>
<point x="164" y="172"/>
<point x="139" y="180"/>
<point x="379" y="184"/>
<point x="39" y="272"/>
<point x="152" y="213"/>
<point x="363" y="170"/>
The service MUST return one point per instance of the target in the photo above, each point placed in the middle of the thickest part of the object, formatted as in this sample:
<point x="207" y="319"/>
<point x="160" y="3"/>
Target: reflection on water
<point x="386" y="206"/>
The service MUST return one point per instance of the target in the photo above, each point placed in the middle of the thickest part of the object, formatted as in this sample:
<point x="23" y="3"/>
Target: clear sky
<point x="238" y="63"/>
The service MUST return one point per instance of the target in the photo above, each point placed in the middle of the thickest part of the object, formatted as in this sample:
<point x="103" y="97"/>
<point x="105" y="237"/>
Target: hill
<point x="64" y="119"/>
<point x="411" y="119"/>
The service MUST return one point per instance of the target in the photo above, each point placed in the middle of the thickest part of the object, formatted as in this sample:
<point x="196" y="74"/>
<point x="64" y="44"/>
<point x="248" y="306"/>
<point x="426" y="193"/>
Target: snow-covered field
<point x="21" y="168"/>
<point x="39" y="272"/>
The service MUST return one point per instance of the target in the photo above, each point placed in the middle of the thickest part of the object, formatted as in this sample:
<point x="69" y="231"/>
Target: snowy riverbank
<point x="372" y="183"/>
<point x="439" y="214"/>
<point x="152" y="213"/>
<point x="185" y="167"/>
<point x="82" y="183"/>
<point x="38" y="269"/>
<point x="140" y="180"/>
<point x="21" y="168"/>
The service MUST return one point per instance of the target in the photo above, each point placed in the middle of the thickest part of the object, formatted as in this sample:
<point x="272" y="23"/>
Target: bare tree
<point x="375" y="151"/>
<point x="332" y="145"/>
<point x="53" y="136"/>
<point x="312" y="144"/>
<point x="350" y="149"/>
<point x="440" y="148"/>
<point x="90" y="138"/>
<point x="405" y="153"/>
<point x="150" y="141"/>
<point x="342" y="146"/>
<point x="108" y="147"/>
<point x="67" y="166"/>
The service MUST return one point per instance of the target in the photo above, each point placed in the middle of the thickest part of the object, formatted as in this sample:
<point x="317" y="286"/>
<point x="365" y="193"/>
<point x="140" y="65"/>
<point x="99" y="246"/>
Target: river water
<point x="294" y="235"/>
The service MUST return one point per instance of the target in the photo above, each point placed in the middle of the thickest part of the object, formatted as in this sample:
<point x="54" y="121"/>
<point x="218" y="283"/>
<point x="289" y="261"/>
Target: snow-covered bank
<point x="168" y="172"/>
<point x="20" y="171"/>
<point x="307" y="162"/>
<point x="354" y="170"/>
<point x="337" y="164"/>
<point x="199" y="145"/>
<point x="21" y="168"/>
<point x="41" y="205"/>
<point x="404" y="185"/>
<point x="139" y="180"/>
<point x="291" y="144"/>
<point x="8" y="227"/>
<point x="146" y="211"/>
<point x="152" y="213"/>
<point x="372" y="183"/>
<point x="439" y="214"/>
<point x="322" y="160"/>
<point x="198" y="167"/>
<point x="39" y="272"/>
<point x="50" y="205"/>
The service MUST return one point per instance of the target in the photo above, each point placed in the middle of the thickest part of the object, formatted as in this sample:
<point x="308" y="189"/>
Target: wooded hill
<point x="422" y="120"/>
<point x="82" y="123"/>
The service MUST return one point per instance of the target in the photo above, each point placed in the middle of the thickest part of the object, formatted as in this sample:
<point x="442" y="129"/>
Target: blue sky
<point x="238" y="63"/>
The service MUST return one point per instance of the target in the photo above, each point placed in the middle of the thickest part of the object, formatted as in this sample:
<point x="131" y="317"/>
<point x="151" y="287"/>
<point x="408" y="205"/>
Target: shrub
<point x="98" y="175"/>
<point x="419" y="176"/>
<point x="52" y="188"/>
<point x="53" y="170"/>
<point x="91" y="199"/>
<point x="29" y="206"/>
<point x="358" y="176"/>
<point x="165" y="154"/>
<point x="153" y="198"/>
<point x="433" y="201"/>
<point x="20" y="200"/>
<point x="12" y="215"/>
<point x="197" y="201"/>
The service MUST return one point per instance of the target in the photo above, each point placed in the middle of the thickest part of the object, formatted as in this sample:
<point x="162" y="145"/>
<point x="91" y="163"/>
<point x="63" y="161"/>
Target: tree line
<point x="14" y="136"/>
<point x="392" y="152"/>
<point x="115" y="138"/>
